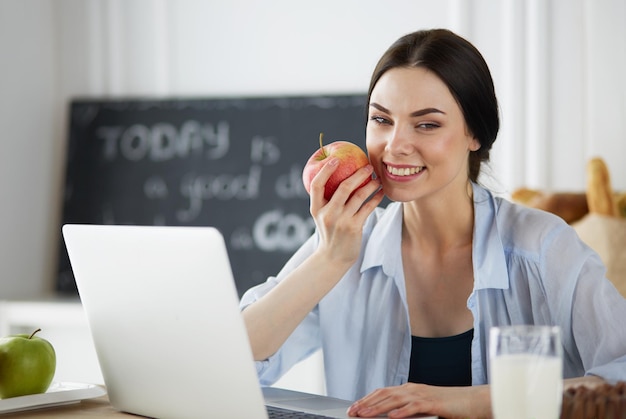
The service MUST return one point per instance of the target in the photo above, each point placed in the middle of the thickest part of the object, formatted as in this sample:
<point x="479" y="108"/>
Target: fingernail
<point x="334" y="161"/>
<point x="365" y="411"/>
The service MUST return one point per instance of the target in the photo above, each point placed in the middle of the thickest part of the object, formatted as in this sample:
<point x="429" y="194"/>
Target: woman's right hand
<point x="340" y="220"/>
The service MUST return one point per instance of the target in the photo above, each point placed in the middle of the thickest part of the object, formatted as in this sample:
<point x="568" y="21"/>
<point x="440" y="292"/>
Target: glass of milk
<point x="526" y="372"/>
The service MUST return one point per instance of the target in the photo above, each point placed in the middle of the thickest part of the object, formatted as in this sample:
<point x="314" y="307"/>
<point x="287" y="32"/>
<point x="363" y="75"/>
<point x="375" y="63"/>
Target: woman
<point x="388" y="292"/>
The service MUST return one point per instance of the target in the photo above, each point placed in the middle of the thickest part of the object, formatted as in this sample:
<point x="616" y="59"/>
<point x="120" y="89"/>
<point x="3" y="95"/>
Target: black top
<point x="442" y="361"/>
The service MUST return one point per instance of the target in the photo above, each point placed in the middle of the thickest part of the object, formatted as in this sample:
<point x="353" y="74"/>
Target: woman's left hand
<point x="411" y="399"/>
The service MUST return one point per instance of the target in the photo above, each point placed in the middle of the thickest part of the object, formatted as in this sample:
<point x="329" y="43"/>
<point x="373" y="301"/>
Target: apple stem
<point x="33" y="334"/>
<point x="321" y="146"/>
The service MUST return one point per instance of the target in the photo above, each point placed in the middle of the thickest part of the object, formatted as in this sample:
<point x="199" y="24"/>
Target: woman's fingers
<point x="340" y="220"/>
<point x="376" y="403"/>
<point x="349" y="186"/>
<point x="318" y="184"/>
<point x="345" y="189"/>
<point x="411" y="399"/>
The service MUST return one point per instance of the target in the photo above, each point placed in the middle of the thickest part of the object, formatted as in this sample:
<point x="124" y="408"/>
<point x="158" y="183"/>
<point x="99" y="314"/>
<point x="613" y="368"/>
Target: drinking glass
<point x="526" y="372"/>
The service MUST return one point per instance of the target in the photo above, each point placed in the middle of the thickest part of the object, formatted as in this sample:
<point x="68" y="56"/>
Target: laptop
<point x="163" y="312"/>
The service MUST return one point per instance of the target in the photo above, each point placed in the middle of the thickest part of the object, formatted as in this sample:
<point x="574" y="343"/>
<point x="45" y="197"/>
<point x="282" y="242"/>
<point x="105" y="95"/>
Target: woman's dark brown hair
<point x="463" y="69"/>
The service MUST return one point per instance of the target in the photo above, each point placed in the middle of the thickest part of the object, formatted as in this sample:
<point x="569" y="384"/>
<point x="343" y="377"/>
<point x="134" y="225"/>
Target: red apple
<point x="351" y="158"/>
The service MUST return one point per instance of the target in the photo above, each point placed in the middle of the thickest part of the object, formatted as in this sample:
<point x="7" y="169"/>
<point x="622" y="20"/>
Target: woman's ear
<point x="474" y="144"/>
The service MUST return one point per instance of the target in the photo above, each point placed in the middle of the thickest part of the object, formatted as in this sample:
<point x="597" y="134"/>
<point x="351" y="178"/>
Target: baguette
<point x="525" y="196"/>
<point x="600" y="197"/>
<point x="620" y="199"/>
<point x="571" y="206"/>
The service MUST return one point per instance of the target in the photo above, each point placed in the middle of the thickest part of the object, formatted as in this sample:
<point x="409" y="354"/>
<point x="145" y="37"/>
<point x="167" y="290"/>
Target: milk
<point x="526" y="386"/>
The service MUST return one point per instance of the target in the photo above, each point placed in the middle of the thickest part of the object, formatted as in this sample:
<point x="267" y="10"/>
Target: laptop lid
<point x="163" y="312"/>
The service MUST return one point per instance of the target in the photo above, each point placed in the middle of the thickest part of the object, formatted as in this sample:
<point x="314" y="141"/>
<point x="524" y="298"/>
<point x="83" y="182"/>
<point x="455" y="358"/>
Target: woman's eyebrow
<point x="420" y="112"/>
<point x="426" y="111"/>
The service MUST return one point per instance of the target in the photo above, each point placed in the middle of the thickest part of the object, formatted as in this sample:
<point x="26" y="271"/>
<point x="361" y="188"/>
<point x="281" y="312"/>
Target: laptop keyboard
<point x="280" y="413"/>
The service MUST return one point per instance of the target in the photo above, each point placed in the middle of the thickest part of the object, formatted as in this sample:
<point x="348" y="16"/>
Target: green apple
<point x="27" y="365"/>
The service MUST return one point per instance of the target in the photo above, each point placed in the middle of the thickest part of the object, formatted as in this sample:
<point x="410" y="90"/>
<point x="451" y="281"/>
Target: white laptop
<point x="163" y="311"/>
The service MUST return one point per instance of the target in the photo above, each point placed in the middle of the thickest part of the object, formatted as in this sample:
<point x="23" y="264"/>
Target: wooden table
<point x="98" y="407"/>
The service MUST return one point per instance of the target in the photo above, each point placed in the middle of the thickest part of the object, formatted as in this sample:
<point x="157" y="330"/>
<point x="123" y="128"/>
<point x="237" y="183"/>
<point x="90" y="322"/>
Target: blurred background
<point x="558" y="67"/>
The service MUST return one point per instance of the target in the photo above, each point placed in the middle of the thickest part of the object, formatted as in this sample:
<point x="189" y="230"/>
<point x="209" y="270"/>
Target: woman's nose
<point x="399" y="141"/>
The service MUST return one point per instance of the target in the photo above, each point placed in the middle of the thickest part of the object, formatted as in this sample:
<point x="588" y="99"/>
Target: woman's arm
<point x="473" y="402"/>
<point x="272" y="318"/>
<point x="339" y="222"/>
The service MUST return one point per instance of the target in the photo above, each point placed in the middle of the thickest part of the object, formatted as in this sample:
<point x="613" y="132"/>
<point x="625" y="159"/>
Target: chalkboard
<point x="232" y="163"/>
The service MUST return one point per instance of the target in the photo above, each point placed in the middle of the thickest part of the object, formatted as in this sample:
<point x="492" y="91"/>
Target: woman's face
<point x="416" y="135"/>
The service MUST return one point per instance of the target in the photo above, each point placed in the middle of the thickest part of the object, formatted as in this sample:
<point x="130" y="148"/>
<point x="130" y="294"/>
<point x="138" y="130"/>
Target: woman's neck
<point x="442" y="221"/>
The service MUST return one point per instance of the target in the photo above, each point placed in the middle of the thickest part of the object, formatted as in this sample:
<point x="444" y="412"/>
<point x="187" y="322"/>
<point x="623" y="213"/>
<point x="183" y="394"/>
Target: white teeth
<point x="407" y="171"/>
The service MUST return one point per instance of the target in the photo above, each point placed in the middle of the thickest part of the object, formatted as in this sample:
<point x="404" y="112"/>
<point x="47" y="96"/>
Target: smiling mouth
<point x="404" y="171"/>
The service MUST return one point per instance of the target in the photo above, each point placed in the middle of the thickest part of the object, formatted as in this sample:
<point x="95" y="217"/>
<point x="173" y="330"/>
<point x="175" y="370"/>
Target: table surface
<point x="98" y="407"/>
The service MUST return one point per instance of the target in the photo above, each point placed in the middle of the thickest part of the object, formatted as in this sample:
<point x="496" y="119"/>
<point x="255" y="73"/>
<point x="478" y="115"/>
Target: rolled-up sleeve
<point x="598" y="319"/>
<point x="304" y="340"/>
<point x="589" y="309"/>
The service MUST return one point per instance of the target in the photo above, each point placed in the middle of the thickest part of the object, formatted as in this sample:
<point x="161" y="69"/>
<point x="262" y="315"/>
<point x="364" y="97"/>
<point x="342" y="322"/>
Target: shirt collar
<point x="383" y="247"/>
<point x="490" y="269"/>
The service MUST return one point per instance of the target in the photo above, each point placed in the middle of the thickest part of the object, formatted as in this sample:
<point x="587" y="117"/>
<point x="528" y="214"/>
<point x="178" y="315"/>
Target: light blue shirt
<point x="530" y="267"/>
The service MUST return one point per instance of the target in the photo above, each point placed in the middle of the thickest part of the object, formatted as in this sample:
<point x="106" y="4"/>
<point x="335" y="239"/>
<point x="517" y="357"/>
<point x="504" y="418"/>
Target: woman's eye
<point x="379" y="119"/>
<point x="428" y="125"/>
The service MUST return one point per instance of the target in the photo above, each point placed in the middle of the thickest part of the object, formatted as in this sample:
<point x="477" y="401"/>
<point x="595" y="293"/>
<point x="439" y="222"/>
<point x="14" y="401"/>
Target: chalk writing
<point x="198" y="188"/>
<point x="235" y="164"/>
<point x="264" y="150"/>
<point x="163" y="141"/>
<point x="289" y="185"/>
<point x="155" y="188"/>
<point x="275" y="230"/>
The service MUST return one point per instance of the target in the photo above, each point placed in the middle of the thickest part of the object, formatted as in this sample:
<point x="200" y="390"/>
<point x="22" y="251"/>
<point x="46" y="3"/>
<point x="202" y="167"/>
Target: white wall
<point x="31" y="146"/>
<point x="558" y="67"/>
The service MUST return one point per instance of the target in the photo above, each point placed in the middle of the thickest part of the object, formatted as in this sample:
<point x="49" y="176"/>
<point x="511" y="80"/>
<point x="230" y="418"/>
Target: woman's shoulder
<point x="510" y="215"/>
<point x="530" y="228"/>
<point x="518" y="214"/>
